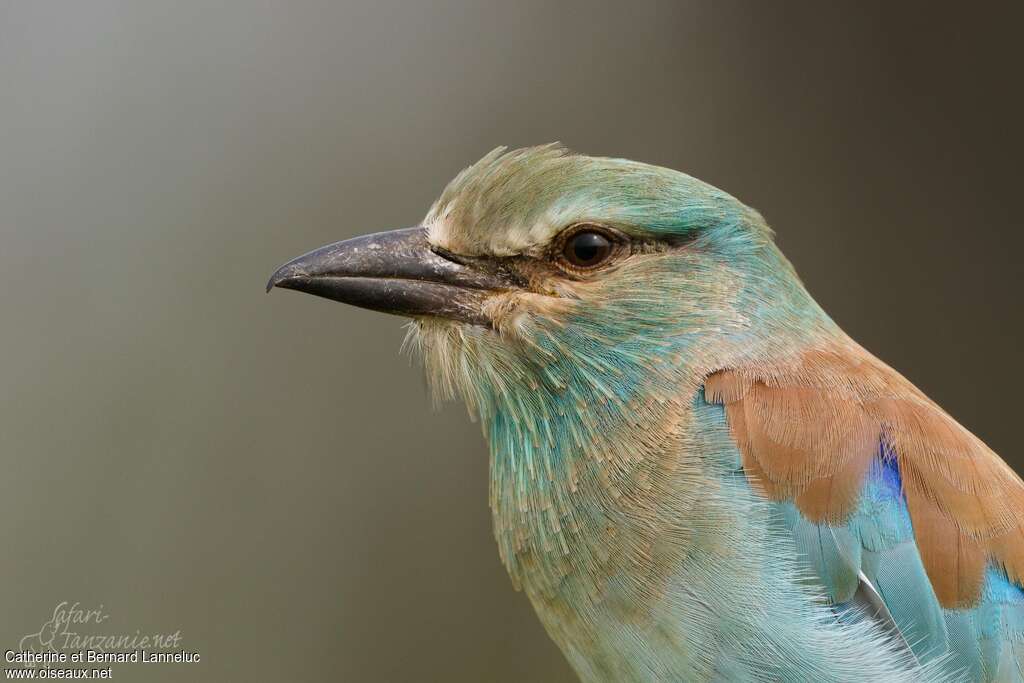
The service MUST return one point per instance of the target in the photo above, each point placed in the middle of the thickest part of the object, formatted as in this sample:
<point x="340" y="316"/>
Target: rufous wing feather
<point x="808" y="429"/>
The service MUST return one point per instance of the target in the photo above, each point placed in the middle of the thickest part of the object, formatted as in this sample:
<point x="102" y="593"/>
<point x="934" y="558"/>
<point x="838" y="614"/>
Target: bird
<point x="695" y="473"/>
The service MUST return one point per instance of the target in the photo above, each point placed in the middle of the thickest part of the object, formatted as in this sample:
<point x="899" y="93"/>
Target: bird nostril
<point x="449" y="256"/>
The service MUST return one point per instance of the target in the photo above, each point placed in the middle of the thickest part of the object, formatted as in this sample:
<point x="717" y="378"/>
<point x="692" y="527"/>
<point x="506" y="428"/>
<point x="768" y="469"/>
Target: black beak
<point x="394" y="272"/>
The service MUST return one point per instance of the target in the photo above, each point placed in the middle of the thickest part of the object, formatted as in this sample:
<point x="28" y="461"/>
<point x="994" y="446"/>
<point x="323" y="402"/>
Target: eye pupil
<point x="587" y="249"/>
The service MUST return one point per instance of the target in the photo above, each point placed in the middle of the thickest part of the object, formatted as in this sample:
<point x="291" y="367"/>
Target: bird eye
<point x="587" y="249"/>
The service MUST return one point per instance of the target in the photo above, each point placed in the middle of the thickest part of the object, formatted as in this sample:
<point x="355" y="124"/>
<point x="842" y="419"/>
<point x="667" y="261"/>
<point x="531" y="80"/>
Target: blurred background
<point x="266" y="473"/>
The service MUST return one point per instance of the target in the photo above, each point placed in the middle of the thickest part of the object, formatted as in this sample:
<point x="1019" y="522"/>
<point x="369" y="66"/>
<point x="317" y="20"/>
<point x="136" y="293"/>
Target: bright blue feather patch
<point x="882" y="520"/>
<point x="1000" y="589"/>
<point x="887" y="472"/>
<point x="977" y="641"/>
<point x="888" y="482"/>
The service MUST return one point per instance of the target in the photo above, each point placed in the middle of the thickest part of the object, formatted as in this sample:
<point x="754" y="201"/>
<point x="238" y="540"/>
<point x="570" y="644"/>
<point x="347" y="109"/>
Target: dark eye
<point x="587" y="249"/>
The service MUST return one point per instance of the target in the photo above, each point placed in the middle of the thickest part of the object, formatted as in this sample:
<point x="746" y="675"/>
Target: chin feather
<point x="458" y="360"/>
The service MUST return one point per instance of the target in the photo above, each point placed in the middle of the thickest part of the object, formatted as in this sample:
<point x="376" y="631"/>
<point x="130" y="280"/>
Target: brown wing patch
<point x="1008" y="550"/>
<point x="955" y="562"/>
<point x="829" y="500"/>
<point x="808" y="429"/>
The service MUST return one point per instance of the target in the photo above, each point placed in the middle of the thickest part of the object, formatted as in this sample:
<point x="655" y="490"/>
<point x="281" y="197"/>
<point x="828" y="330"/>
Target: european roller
<point x="695" y="474"/>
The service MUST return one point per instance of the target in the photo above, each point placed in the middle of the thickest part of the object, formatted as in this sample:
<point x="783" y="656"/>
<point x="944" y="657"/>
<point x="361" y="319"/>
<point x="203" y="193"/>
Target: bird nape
<point x="695" y="474"/>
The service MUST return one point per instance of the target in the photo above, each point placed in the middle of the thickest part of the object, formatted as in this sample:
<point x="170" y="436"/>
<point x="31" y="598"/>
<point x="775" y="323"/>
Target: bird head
<point x="541" y="276"/>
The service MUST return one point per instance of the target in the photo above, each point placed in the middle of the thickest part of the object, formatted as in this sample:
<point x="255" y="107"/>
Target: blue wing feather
<point x="984" y="643"/>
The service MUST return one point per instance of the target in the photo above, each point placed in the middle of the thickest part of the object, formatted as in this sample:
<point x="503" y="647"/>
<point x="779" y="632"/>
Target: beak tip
<point x="280" y="276"/>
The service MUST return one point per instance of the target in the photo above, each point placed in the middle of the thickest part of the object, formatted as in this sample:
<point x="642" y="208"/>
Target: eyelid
<point x="612" y="234"/>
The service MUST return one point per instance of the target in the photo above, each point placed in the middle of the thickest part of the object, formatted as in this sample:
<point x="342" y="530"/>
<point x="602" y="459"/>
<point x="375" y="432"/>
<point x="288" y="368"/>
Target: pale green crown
<point x="514" y="202"/>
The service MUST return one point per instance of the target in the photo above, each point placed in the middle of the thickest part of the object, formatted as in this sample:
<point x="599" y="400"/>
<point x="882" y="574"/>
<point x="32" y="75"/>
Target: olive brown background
<point x="266" y="474"/>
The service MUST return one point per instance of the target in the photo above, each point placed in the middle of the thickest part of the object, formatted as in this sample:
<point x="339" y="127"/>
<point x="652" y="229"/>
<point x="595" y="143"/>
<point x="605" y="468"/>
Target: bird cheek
<point x="517" y="314"/>
<point x="507" y="316"/>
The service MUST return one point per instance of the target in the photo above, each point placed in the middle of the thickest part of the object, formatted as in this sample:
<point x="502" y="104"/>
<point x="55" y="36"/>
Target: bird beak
<point x="394" y="272"/>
